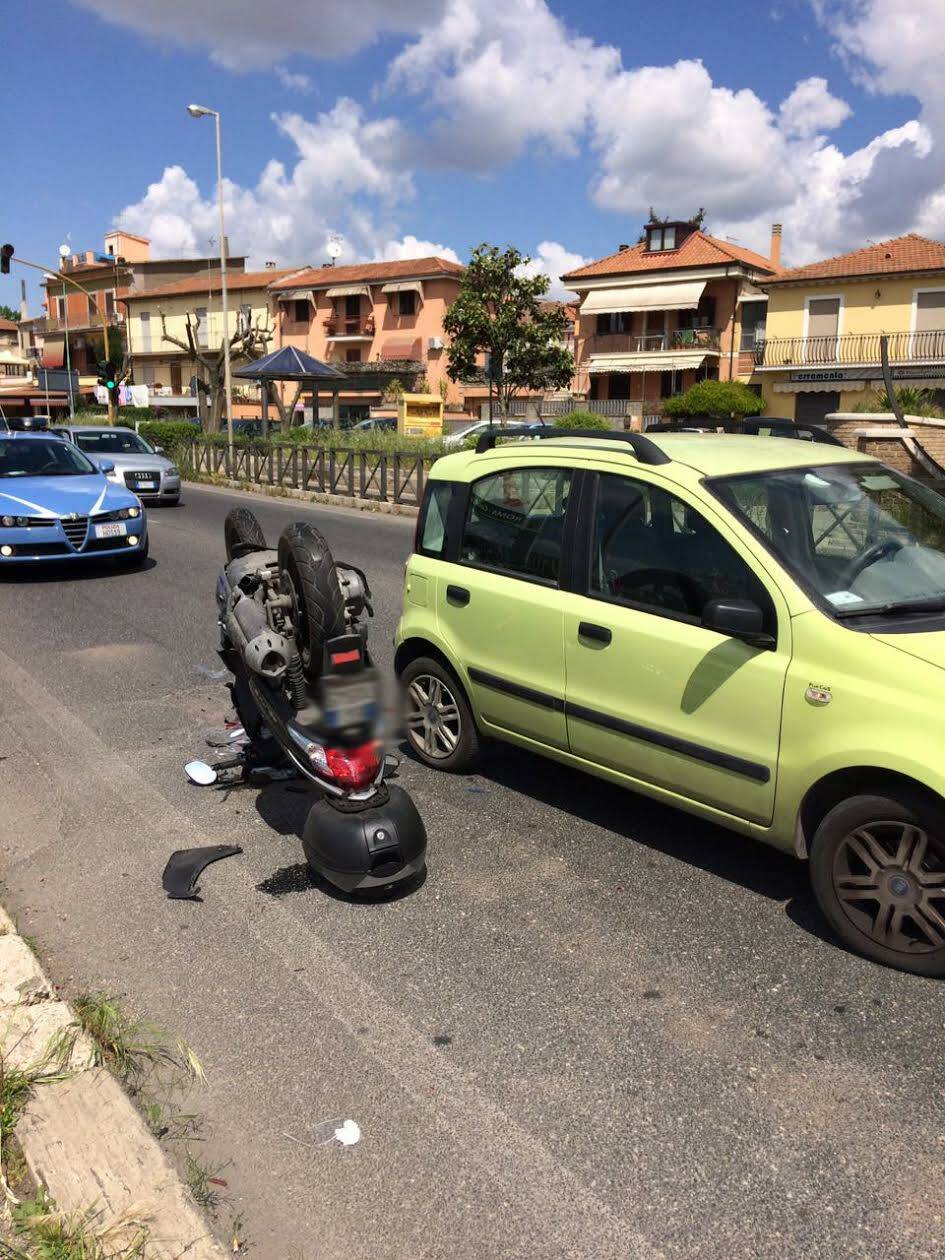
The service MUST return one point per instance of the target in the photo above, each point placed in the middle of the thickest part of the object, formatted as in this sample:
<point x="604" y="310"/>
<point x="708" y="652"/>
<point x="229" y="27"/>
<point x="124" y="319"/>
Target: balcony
<point x="850" y="349"/>
<point x="350" y="329"/>
<point x="85" y="323"/>
<point x="653" y="343"/>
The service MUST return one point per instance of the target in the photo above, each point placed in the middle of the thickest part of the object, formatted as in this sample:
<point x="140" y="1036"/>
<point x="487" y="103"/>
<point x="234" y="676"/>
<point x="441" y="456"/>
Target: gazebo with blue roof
<point x="290" y="364"/>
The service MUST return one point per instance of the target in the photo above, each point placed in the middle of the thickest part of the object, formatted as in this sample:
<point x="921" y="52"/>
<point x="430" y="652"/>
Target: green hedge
<point x="169" y="433"/>
<point x="581" y="420"/>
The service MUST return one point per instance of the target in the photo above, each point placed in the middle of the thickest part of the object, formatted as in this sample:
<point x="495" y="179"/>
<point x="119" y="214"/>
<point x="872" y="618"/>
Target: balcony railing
<point x="653" y="343"/>
<point x="850" y="348"/>
<point x="349" y="327"/>
<point x="83" y="323"/>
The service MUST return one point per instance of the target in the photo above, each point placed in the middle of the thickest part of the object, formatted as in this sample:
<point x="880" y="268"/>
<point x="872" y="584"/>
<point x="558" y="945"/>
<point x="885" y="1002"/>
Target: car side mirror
<point x="159" y="450"/>
<point x="106" y="466"/>
<point x="739" y="619"/>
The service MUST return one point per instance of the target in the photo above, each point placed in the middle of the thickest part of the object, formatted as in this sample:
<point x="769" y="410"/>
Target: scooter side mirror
<point x="200" y="773"/>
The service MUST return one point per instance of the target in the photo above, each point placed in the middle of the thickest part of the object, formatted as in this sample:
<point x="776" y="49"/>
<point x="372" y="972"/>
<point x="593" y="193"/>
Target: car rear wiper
<point x="933" y="604"/>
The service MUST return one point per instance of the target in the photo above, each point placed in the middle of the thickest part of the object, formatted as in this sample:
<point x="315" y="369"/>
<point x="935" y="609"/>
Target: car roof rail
<point x="751" y="426"/>
<point x="646" y="451"/>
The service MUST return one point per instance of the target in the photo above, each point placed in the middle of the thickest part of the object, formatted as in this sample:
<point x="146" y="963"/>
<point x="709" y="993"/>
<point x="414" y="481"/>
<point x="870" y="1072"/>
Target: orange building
<point x="378" y="322"/>
<point x="677" y="307"/>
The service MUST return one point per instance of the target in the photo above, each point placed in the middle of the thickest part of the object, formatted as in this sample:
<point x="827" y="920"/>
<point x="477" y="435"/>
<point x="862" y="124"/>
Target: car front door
<point x="651" y="692"/>
<point x="500" y="606"/>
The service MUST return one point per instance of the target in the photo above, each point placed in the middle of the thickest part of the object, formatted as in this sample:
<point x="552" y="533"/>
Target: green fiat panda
<point x="746" y="627"/>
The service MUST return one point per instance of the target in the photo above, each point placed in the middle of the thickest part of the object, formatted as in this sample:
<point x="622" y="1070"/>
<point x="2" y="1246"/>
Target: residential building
<point x="125" y="267"/>
<point x="9" y="335"/>
<point x="378" y="322"/>
<point x="677" y="307"/>
<point x="821" y="350"/>
<point x="157" y="327"/>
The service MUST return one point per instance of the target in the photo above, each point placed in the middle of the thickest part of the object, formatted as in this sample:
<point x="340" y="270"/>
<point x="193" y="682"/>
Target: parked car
<point x="479" y="427"/>
<point x="55" y="504"/>
<point x="137" y="464"/>
<point x="376" y="424"/>
<point x="748" y="628"/>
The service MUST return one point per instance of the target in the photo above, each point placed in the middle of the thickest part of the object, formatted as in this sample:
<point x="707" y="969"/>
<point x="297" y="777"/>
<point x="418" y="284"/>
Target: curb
<point x="307" y="496"/>
<point x="81" y="1135"/>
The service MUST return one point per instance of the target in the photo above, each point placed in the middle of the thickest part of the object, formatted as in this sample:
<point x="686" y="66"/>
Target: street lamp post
<point x="201" y="111"/>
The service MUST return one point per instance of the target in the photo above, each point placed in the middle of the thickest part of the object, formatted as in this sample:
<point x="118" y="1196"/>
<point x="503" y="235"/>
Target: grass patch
<point x="132" y="1048"/>
<point x="54" y="1235"/>
<point x="16" y="1085"/>
<point x="203" y="1182"/>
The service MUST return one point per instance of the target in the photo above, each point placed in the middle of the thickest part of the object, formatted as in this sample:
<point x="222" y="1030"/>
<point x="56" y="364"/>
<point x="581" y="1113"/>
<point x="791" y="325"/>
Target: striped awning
<point x="401" y="348"/>
<point x="350" y="290"/>
<point x="676" y="362"/>
<point x="54" y="352"/>
<point x="404" y="286"/>
<point x="674" y="295"/>
<point x="295" y="295"/>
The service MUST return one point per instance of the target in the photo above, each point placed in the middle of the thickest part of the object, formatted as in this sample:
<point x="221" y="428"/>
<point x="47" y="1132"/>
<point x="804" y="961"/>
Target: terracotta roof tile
<point x="371" y="273"/>
<point x="697" y="250"/>
<point x="8" y="325"/>
<point x="209" y="281"/>
<point x="901" y="254"/>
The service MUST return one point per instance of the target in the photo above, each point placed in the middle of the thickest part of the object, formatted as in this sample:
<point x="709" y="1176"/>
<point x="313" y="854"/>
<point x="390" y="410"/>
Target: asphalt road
<point x="599" y="1029"/>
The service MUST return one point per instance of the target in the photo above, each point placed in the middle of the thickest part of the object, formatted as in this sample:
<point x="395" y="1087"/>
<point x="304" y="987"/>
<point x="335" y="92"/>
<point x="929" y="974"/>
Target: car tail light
<point x="354" y="768"/>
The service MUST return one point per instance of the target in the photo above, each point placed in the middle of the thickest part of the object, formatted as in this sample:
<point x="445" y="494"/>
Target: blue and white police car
<point x="55" y="504"/>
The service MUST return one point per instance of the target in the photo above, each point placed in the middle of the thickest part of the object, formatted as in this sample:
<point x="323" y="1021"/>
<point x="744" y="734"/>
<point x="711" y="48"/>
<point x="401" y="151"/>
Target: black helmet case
<point x="371" y="848"/>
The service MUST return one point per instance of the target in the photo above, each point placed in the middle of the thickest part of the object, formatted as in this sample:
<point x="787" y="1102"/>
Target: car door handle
<point x="600" y="634"/>
<point x="457" y="595"/>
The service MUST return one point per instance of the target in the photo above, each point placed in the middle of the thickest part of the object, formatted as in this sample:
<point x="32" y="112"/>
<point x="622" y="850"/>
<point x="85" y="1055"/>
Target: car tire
<point x="451" y="742"/>
<point x="318" y="603"/>
<point x="877" y="868"/>
<point x="242" y="533"/>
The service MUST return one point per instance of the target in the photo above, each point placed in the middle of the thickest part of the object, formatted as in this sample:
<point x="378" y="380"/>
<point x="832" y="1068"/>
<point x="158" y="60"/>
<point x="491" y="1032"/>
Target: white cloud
<point x="552" y="259"/>
<point x="246" y="35"/>
<point x="410" y="247"/>
<point x="292" y="81"/>
<point x="811" y="108"/>
<point x="346" y="174"/>
<point x="500" y="76"/>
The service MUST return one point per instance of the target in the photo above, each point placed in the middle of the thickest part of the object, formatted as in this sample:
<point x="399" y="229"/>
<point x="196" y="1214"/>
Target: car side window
<point x="654" y="551"/>
<point x="431" y="536"/>
<point x="515" y="522"/>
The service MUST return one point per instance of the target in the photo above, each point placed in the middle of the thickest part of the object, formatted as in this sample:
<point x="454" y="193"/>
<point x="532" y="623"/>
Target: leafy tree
<point x="393" y="392"/>
<point x="7" y="312"/>
<point x="499" y="312"/>
<point x="717" y="400"/>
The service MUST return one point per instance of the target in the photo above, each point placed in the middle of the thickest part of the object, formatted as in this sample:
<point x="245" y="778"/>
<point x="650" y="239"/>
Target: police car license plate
<point x="111" y="530"/>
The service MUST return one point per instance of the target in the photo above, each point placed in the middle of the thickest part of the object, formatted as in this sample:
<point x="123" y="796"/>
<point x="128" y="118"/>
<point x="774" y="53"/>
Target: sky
<point x="409" y="127"/>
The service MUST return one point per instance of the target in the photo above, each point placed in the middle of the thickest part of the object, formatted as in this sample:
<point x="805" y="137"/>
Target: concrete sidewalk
<point x="80" y="1134"/>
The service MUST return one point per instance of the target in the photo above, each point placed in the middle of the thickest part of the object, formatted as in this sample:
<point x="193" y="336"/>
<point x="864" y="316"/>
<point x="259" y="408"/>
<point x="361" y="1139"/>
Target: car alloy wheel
<point x="433" y="719"/>
<point x="890" y="882"/>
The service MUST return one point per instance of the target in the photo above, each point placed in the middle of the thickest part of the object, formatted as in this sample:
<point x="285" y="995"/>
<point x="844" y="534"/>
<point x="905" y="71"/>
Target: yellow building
<point x="821" y="351"/>
<point x="159" y="343"/>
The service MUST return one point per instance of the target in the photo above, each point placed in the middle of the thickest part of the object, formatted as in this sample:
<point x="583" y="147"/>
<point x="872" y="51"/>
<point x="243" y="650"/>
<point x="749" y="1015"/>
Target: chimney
<point x="622" y="247"/>
<point x="774" y="253"/>
<point x="24" y="306"/>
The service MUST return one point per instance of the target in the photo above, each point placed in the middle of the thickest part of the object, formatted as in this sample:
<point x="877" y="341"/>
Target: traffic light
<point x="108" y="376"/>
<point x="6" y="253"/>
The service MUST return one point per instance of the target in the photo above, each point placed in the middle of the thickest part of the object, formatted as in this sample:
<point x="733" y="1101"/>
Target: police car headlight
<point x="133" y="511"/>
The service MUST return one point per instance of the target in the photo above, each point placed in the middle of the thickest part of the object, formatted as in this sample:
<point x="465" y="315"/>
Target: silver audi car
<point x="140" y="467"/>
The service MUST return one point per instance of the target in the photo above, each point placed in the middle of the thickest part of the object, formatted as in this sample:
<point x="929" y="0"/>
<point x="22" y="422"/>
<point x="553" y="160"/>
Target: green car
<point x="749" y="628"/>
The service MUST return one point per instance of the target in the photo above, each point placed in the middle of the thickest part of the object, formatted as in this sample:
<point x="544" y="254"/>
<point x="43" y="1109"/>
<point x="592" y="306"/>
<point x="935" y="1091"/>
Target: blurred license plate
<point x="109" y="531"/>
<point x="147" y="485"/>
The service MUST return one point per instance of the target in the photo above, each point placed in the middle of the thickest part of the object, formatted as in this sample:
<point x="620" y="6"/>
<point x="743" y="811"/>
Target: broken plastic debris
<point x="214" y="675"/>
<point x="348" y="1133"/>
<point x="183" y="868"/>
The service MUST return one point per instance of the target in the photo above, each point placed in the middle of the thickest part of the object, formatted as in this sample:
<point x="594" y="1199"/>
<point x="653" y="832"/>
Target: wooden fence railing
<point x="384" y="476"/>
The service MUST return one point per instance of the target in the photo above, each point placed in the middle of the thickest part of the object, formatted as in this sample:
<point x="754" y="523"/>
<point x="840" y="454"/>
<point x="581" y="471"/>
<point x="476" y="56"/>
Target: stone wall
<point x="878" y="434"/>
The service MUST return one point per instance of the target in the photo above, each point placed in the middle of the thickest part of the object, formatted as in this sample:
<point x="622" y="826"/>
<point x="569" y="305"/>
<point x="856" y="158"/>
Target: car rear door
<point x="650" y="691"/>
<point x="500" y="606"/>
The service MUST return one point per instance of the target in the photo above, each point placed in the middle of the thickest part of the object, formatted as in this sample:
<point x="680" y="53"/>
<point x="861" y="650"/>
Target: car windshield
<point x="41" y="457"/>
<point x="112" y="442"/>
<point x="862" y="537"/>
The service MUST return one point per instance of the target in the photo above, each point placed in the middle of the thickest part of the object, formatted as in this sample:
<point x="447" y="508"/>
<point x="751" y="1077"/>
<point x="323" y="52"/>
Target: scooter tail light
<point x="354" y="768"/>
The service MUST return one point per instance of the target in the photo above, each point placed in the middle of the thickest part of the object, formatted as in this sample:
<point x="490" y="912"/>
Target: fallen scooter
<point x="293" y="634"/>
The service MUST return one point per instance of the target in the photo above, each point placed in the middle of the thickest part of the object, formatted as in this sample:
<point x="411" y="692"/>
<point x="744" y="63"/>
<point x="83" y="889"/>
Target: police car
<point x="55" y="504"/>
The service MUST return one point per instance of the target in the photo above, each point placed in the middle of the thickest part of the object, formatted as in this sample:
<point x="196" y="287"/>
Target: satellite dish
<point x="334" y="248"/>
<point x="64" y="251"/>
